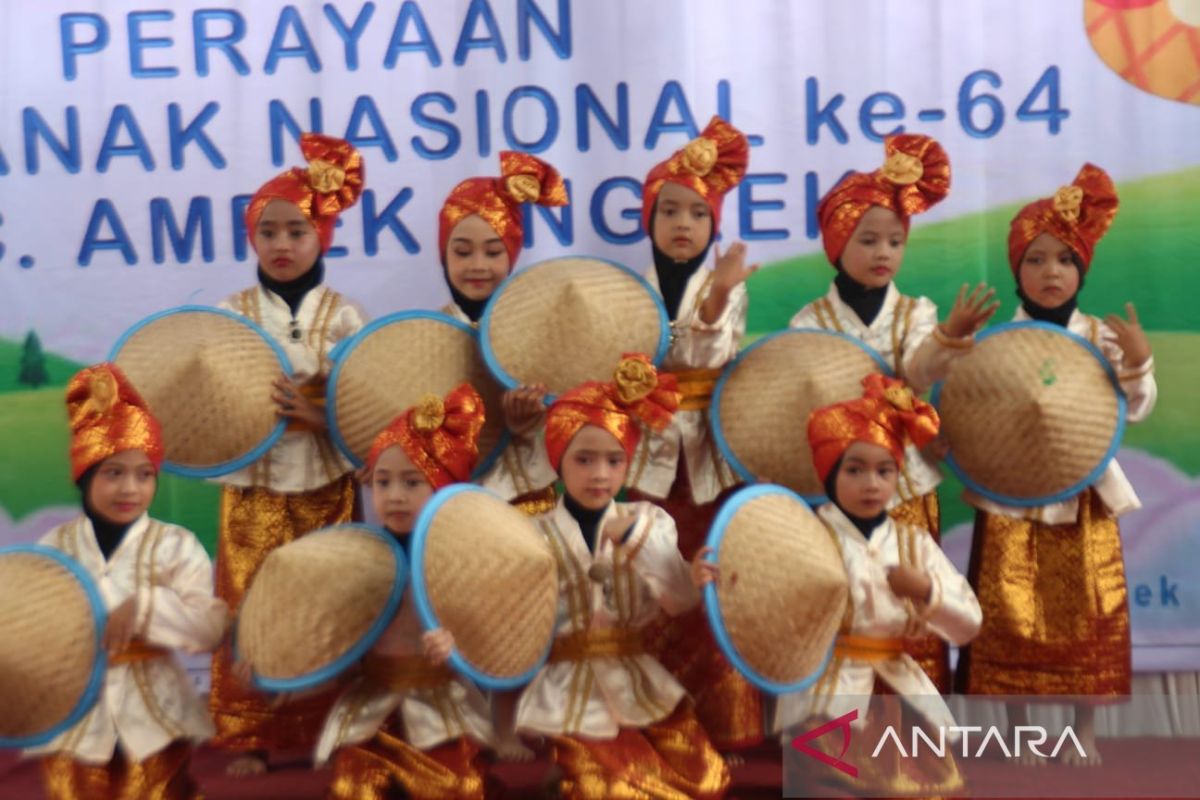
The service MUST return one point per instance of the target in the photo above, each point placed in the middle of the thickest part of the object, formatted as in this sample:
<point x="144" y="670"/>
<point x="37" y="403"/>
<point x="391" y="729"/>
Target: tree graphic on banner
<point x="33" y="363"/>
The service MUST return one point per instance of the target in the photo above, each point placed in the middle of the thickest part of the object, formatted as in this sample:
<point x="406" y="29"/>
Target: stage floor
<point x="1141" y="767"/>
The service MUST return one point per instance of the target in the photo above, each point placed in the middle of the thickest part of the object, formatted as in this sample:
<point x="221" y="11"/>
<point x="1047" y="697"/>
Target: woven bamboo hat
<point x="1033" y="414"/>
<point x="779" y="601"/>
<point x="51" y="663"/>
<point x="318" y="604"/>
<point x="207" y="375"/>
<point x="483" y="571"/>
<point x="762" y="401"/>
<point x="566" y="321"/>
<point x="397" y="360"/>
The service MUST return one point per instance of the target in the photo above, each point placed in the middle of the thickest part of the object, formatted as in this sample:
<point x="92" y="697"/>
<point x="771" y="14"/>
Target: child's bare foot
<point x="247" y="765"/>
<point x="511" y="748"/>
<point x="733" y="760"/>
<point x="1072" y="758"/>
<point x="1085" y="732"/>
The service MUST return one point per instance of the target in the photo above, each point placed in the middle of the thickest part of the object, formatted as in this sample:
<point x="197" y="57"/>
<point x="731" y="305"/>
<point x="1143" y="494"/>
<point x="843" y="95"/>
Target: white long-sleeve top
<point x="1141" y="392"/>
<point x="595" y="697"/>
<point x="952" y="613"/>
<point x="429" y="716"/>
<point x="522" y="466"/>
<point x="903" y="334"/>
<point x="145" y="705"/>
<point x="301" y="460"/>
<point x="695" y="344"/>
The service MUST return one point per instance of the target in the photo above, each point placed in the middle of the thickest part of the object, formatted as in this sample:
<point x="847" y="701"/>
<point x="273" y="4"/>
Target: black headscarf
<point x="1056" y="316"/>
<point x="673" y="276"/>
<point x="292" y="292"/>
<point x="108" y="533"/>
<point x="589" y="520"/>
<point x="865" y="302"/>
<point x="472" y="308"/>
<point x="866" y="525"/>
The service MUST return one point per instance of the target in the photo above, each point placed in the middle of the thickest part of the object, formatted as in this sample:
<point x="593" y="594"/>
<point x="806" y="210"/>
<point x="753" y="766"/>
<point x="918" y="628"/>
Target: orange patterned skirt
<point x="669" y="760"/>
<point x="254" y="521"/>
<point x="162" y="776"/>
<point x="1055" y="607"/>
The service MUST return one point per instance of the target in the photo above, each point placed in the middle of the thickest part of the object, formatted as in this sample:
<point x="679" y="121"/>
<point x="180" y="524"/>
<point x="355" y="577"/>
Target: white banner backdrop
<point x="131" y="135"/>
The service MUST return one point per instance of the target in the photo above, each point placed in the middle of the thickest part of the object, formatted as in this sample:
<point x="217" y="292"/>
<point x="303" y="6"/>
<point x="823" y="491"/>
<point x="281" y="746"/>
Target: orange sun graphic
<point x="1153" y="44"/>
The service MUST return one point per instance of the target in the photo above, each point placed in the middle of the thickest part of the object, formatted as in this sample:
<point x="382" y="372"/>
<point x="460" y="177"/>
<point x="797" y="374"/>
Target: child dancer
<point x="408" y="723"/>
<point x="621" y="726"/>
<point x="864" y="228"/>
<point x="680" y="468"/>
<point x="901" y="584"/>
<point x="1052" y="578"/>
<point x="156" y="582"/>
<point x="480" y="234"/>
<point x="302" y="483"/>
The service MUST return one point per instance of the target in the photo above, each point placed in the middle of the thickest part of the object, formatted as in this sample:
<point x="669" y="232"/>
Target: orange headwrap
<point x="710" y="165"/>
<point x="523" y="179"/>
<point x="1078" y="216"/>
<point x="440" y="436"/>
<point x="331" y="184"/>
<point x="638" y="395"/>
<point x="107" y="417"/>
<point x="915" y="176"/>
<point x="888" y="415"/>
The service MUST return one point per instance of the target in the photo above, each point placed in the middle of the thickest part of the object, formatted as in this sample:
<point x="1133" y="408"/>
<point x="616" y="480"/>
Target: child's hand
<point x="970" y="313"/>
<point x="616" y="528"/>
<point x="294" y="405"/>
<point x="524" y="409"/>
<point x="910" y="582"/>
<point x="243" y="673"/>
<point x="118" y="630"/>
<point x="704" y="572"/>
<point x="437" y="645"/>
<point x="937" y="448"/>
<point x="731" y="267"/>
<point x="1130" y="337"/>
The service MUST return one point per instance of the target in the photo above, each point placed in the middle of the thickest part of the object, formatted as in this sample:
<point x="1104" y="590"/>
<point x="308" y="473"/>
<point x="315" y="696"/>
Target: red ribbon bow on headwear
<point x="108" y="416"/>
<point x="887" y="415"/>
<point x="439" y="435"/>
<point x="523" y="179"/>
<point x="1077" y="215"/>
<point x="330" y="184"/>
<point x="638" y="395"/>
<point x="710" y="165"/>
<point x="914" y="177"/>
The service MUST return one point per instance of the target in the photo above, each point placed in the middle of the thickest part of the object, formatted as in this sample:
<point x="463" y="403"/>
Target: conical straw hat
<point x="394" y="362"/>
<point x="761" y="404"/>
<point x="51" y="664"/>
<point x="782" y="591"/>
<point x="1033" y="414"/>
<point x="318" y="604"/>
<point x="483" y="571"/>
<point x="207" y="375"/>
<point x="569" y="320"/>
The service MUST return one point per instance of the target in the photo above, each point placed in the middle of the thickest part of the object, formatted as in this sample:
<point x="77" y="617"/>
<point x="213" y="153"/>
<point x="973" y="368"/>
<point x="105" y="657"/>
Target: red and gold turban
<point x="331" y="184"/>
<point x="440" y="436"/>
<point x="1077" y="215"/>
<point x="107" y="417"/>
<point x="915" y="176"/>
<point x="637" y="396"/>
<point x="710" y="165"/>
<point x="523" y="179"/>
<point x="887" y="415"/>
